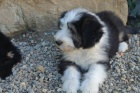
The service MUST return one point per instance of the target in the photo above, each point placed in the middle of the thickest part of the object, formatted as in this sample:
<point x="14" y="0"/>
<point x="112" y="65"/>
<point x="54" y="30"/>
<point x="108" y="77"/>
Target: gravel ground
<point x="37" y="73"/>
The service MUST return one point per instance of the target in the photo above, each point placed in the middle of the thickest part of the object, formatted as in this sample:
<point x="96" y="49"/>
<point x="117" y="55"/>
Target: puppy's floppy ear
<point x="91" y="32"/>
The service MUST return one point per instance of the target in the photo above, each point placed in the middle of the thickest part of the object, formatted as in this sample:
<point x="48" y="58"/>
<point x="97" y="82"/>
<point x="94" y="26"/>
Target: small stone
<point x="31" y="91"/>
<point x="24" y="66"/>
<point x="122" y="78"/>
<point x="118" y="70"/>
<point x="112" y="84"/>
<point x="129" y="88"/>
<point x="23" y="35"/>
<point x="27" y="58"/>
<point x="43" y="43"/>
<point x="40" y="68"/>
<point x="0" y="90"/>
<point x="138" y="58"/>
<point x="59" y="89"/>
<point x="135" y="37"/>
<point x="23" y="84"/>
<point x="115" y="92"/>
<point x="44" y="90"/>
<point x="32" y="41"/>
<point x="131" y="80"/>
<point x="27" y="35"/>
<point x="134" y="88"/>
<point x="41" y="79"/>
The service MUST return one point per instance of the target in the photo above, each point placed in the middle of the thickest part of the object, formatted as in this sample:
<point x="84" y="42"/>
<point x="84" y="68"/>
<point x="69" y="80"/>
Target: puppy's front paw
<point x="123" y="46"/>
<point x="71" y="86"/>
<point x="88" y="87"/>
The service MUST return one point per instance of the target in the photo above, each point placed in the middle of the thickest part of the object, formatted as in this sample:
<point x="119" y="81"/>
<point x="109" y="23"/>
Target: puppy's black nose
<point x="58" y="42"/>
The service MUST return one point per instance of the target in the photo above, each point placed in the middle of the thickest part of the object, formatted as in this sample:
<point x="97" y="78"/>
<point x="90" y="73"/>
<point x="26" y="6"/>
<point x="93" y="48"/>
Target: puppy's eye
<point x="71" y="27"/>
<point x="71" y="30"/>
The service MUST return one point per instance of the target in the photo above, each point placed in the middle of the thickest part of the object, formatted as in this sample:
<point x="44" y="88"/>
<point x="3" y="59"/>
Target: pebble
<point x="32" y="41"/>
<point x="40" y="68"/>
<point x="138" y="59"/>
<point x="129" y="88"/>
<point x="59" y="90"/>
<point x="0" y="90"/>
<point x="44" y="90"/>
<point x="134" y="88"/>
<point x="23" y="84"/>
<point x="115" y="92"/>
<point x="31" y="91"/>
<point x="131" y="80"/>
<point x="41" y="79"/>
<point x="23" y="35"/>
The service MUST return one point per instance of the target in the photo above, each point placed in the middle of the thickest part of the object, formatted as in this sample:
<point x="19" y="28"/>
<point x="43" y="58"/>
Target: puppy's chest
<point x="81" y="58"/>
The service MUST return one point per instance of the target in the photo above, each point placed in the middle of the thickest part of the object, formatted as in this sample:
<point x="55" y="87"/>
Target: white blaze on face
<point x="64" y="36"/>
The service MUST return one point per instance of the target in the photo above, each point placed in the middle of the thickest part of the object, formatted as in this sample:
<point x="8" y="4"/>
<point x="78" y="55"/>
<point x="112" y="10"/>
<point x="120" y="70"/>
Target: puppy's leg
<point x="123" y="38"/>
<point x="71" y="80"/>
<point x="95" y="76"/>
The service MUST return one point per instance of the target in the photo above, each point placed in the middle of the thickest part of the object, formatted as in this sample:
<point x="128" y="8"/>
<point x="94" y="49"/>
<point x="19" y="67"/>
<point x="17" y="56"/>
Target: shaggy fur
<point x="88" y="41"/>
<point x="9" y="56"/>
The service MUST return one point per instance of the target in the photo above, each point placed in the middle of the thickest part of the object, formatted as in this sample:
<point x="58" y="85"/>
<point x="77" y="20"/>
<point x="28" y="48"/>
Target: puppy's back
<point x="116" y="30"/>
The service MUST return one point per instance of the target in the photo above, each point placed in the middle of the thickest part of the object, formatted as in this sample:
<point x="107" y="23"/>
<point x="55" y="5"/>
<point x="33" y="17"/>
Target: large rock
<point x="41" y="15"/>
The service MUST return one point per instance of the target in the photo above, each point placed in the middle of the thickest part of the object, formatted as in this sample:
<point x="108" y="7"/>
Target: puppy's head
<point x="9" y="56"/>
<point x="7" y="62"/>
<point x="79" y="28"/>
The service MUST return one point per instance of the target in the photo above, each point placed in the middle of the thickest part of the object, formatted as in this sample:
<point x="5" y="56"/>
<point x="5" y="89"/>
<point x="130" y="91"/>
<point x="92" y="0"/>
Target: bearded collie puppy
<point x="88" y="41"/>
<point x="9" y="56"/>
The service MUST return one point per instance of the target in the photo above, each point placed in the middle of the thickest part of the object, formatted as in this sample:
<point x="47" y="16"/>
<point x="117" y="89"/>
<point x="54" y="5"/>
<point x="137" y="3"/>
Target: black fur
<point x="115" y="27"/>
<point x="91" y="32"/>
<point x="64" y="64"/>
<point x="9" y="56"/>
<point x="88" y="31"/>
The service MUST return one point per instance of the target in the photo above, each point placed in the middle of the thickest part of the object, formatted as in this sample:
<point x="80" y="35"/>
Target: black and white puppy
<point x="9" y="56"/>
<point x="88" y="41"/>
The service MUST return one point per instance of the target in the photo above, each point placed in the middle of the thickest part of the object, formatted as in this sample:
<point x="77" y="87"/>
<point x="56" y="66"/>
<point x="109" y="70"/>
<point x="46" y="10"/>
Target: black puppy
<point x="9" y="56"/>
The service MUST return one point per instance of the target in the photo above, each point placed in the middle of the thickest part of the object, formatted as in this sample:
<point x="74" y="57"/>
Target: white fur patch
<point x="73" y="15"/>
<point x="71" y="80"/>
<point x="95" y="76"/>
<point x="64" y="36"/>
<point x="123" y="46"/>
